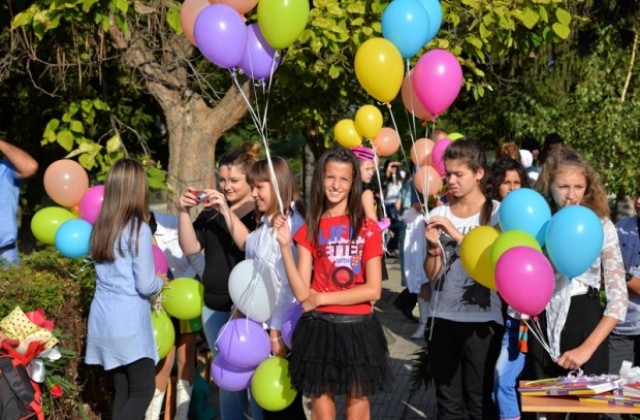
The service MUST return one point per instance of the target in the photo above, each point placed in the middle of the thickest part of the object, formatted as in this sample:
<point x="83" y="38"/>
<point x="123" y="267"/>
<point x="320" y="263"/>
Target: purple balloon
<point x="437" y="78"/>
<point x="243" y="343"/>
<point x="437" y="155"/>
<point x="260" y="59"/>
<point x="525" y="279"/>
<point x="289" y="321"/>
<point x="230" y="377"/>
<point x="221" y="35"/>
<point x="91" y="203"/>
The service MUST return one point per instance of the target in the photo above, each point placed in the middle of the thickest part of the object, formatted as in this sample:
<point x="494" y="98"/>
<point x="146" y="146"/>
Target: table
<point x="569" y="405"/>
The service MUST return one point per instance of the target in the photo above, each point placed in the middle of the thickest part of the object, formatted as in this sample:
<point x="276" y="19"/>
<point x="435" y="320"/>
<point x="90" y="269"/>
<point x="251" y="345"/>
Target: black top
<point x="220" y="254"/>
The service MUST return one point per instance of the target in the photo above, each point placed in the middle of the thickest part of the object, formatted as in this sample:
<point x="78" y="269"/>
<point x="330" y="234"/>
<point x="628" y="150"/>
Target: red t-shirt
<point x="339" y="263"/>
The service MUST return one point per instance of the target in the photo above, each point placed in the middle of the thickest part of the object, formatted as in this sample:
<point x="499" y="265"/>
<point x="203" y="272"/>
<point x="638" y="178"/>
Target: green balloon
<point x="182" y="298"/>
<point x="46" y="221"/>
<point x="163" y="332"/>
<point x="271" y="385"/>
<point x="282" y="21"/>
<point x="509" y="239"/>
<point x="455" y="136"/>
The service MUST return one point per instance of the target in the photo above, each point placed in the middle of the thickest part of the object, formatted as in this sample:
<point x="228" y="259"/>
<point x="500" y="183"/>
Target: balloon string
<point x="437" y="297"/>
<point x="412" y="119"/>
<point x="536" y="331"/>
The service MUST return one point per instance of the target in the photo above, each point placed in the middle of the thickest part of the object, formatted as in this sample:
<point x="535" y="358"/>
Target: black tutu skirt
<point x="339" y="355"/>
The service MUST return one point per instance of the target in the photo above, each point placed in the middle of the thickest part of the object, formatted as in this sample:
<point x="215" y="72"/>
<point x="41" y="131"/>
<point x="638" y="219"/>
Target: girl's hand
<point x="188" y="199"/>
<point x="215" y="199"/>
<point x="283" y="233"/>
<point x="573" y="359"/>
<point x="432" y="234"/>
<point x="312" y="302"/>
<point x="278" y="348"/>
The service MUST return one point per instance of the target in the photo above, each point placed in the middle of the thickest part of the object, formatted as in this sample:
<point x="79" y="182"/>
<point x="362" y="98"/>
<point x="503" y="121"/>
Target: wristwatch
<point x="628" y="276"/>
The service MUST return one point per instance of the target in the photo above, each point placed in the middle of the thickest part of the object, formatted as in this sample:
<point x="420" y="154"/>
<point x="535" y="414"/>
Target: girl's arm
<point x="146" y="280"/>
<point x="186" y="234"/>
<point x="237" y="229"/>
<point x="432" y="261"/>
<point x="368" y="203"/>
<point x="299" y="275"/>
<point x="574" y="358"/>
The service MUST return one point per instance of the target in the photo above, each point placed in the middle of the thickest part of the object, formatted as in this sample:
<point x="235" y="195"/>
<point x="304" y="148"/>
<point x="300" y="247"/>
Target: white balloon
<point x="252" y="287"/>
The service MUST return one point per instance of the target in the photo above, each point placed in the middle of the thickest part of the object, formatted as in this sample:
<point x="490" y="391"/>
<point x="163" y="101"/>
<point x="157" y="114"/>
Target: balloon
<point x="91" y="203"/>
<point x="475" y="251"/>
<point x="188" y="13"/>
<point x="368" y="121"/>
<point x="379" y="68"/>
<point x="455" y="136"/>
<point x="525" y="279"/>
<point x="282" y="21"/>
<point x="160" y="263"/>
<point x="387" y="142"/>
<point x="421" y="151"/>
<point x="163" y="332"/>
<point x="229" y="377"/>
<point x="427" y="180"/>
<point x="221" y="35"/>
<point x="73" y="238"/>
<point x="574" y="239"/>
<point x="65" y="181"/>
<point x="46" y="222"/>
<point x="434" y="11"/>
<point x="289" y="321"/>
<point x="525" y="209"/>
<point x="437" y="78"/>
<point x="437" y="155"/>
<point x="260" y="59"/>
<point x="406" y="24"/>
<point x="243" y="343"/>
<point x="241" y="6"/>
<point x="346" y="134"/>
<point x="271" y="384"/>
<point x="182" y="298"/>
<point x="410" y="100"/>
<point x="252" y="287"/>
<point x="511" y="239"/>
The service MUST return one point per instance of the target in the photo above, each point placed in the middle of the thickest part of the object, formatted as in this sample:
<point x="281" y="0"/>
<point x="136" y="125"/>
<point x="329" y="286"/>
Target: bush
<point x="63" y="288"/>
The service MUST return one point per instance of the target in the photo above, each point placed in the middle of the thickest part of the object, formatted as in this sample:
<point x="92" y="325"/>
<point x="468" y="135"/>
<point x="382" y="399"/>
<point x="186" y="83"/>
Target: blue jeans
<point x="234" y="405"/>
<point x="508" y="367"/>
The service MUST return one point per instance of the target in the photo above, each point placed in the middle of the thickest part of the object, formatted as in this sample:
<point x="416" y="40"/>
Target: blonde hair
<point x="563" y="157"/>
<point x="126" y="201"/>
<point x="508" y="149"/>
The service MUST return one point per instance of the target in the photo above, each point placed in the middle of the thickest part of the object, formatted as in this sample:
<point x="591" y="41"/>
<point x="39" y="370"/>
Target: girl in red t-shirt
<point x="338" y="345"/>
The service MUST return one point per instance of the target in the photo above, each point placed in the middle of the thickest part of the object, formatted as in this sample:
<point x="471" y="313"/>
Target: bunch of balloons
<point x="513" y="262"/>
<point x="68" y="226"/>
<point x="218" y="29"/>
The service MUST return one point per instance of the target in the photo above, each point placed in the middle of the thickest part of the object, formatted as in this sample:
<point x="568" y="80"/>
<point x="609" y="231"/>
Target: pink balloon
<point x="221" y="35"/>
<point x="437" y="78"/>
<point x="437" y="155"/>
<point x="188" y="14"/>
<point x="525" y="279"/>
<point x="410" y="100"/>
<point x="66" y="182"/>
<point x="91" y="203"/>
<point x="159" y="260"/>
<point x="260" y="59"/>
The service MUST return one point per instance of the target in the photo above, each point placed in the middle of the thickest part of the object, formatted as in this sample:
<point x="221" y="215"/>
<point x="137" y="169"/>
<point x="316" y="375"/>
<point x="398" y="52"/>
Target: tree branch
<point x="631" y="61"/>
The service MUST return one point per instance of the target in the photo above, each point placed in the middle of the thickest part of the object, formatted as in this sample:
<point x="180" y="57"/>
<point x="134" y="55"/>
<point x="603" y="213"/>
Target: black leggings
<point x="134" y="387"/>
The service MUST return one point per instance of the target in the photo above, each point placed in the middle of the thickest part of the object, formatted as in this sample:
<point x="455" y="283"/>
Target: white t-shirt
<point x="456" y="296"/>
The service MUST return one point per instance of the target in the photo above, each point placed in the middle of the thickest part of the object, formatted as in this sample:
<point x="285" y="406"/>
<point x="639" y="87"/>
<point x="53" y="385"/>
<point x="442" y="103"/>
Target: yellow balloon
<point x="475" y="255"/>
<point x="346" y="134"/>
<point x="368" y="121"/>
<point x="379" y="69"/>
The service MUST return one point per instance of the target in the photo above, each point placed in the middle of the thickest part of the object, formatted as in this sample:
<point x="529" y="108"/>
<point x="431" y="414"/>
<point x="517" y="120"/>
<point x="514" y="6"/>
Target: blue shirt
<point x="630" y="248"/>
<point x="120" y="330"/>
<point x="9" y="193"/>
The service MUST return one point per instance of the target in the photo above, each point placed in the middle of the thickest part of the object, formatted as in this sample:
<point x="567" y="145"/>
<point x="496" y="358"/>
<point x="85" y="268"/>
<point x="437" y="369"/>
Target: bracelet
<point x="278" y="338"/>
<point x="434" y="252"/>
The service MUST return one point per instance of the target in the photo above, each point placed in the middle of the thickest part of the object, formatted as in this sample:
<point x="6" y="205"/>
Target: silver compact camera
<point x="201" y="197"/>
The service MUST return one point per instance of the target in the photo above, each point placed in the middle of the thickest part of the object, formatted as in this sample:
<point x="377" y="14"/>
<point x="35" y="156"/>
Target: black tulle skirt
<point x="339" y="355"/>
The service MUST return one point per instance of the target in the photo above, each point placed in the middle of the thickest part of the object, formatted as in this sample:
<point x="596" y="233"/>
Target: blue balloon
<point x="406" y="24"/>
<point x="73" y="238"/>
<point x="525" y="209"/>
<point x="574" y="240"/>
<point x="434" y="10"/>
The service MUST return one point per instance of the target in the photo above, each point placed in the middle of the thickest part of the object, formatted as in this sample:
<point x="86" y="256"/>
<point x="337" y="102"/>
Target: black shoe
<point x="405" y="302"/>
<point x="409" y="315"/>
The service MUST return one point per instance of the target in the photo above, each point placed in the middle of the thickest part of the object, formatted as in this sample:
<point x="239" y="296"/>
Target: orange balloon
<point x="410" y="100"/>
<point x="188" y="14"/>
<point x="421" y="151"/>
<point x="66" y="182"/>
<point x="387" y="142"/>
<point x="427" y="180"/>
<point x="241" y="6"/>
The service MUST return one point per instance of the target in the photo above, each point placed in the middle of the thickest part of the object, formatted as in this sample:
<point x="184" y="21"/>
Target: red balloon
<point x="387" y="142"/>
<point x="421" y="151"/>
<point x="427" y="180"/>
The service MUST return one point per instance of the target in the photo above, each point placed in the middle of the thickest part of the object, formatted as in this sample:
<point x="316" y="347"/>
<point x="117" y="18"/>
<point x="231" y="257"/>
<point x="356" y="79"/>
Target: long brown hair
<point x="472" y="154"/>
<point x="317" y="202"/>
<point x="287" y="186"/>
<point x="126" y="201"/>
<point x="594" y="198"/>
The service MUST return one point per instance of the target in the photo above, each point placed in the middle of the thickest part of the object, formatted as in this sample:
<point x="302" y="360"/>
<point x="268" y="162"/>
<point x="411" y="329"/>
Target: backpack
<point x="20" y="397"/>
